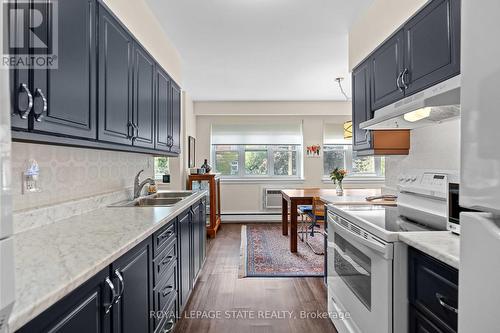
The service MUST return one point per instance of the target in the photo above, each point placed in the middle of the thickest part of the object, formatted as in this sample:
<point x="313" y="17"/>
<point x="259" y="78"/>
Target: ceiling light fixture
<point x="348" y="130"/>
<point x="339" y="82"/>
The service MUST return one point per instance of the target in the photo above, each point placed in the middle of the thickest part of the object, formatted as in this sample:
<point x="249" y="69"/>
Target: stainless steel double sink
<point x="162" y="199"/>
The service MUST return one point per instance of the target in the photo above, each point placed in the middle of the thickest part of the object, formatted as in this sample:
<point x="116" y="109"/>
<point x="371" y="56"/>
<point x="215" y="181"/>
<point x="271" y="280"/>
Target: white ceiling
<point x="261" y="49"/>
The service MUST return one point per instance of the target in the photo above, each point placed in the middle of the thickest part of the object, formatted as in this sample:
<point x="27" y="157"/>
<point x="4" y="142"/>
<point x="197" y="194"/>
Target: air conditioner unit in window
<point x="272" y="198"/>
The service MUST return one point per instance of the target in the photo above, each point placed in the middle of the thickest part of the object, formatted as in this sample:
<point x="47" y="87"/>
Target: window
<point x="257" y="150"/>
<point x="342" y="156"/>
<point x="161" y="167"/>
<point x="257" y="160"/>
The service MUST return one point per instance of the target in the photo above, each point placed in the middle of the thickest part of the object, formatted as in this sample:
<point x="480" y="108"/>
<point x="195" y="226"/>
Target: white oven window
<point x="354" y="267"/>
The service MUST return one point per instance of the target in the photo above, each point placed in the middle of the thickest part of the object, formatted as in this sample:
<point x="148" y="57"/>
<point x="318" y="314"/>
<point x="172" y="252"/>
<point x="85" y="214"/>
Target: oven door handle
<point x="384" y="249"/>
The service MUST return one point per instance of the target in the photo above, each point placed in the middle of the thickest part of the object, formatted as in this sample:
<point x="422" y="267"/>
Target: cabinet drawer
<point x="166" y="325"/>
<point x="420" y="324"/>
<point x="434" y="289"/>
<point x="165" y="260"/>
<point x="163" y="237"/>
<point x="166" y="290"/>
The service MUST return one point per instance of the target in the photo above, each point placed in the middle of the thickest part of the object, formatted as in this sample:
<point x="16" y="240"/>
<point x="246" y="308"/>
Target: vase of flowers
<point x="337" y="176"/>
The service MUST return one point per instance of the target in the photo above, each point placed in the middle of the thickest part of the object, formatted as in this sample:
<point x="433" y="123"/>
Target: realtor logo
<point x="30" y="35"/>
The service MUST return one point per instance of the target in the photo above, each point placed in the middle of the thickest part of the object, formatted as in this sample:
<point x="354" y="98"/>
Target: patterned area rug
<point x="265" y="252"/>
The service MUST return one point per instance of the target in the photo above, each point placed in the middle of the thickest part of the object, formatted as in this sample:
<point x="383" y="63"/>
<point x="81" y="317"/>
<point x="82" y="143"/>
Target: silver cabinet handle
<point x="167" y="290"/>
<point x="24" y="113"/>
<point x="170" y="324"/>
<point x="39" y="116"/>
<point x="403" y="81"/>
<point x="167" y="259"/>
<point x="398" y="82"/>
<point x="109" y="305"/>
<point x="441" y="299"/>
<point x="122" y="287"/>
<point x="131" y="125"/>
<point x="136" y="135"/>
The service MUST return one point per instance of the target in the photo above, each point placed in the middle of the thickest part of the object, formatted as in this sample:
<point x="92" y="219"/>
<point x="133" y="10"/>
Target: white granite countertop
<point x="53" y="260"/>
<point x="442" y="245"/>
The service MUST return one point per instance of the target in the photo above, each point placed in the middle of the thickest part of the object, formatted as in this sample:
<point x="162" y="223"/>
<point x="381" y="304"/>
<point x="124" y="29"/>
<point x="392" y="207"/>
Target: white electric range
<point x="367" y="265"/>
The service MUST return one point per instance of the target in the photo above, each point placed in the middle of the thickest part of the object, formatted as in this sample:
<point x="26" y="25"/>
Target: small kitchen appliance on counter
<point x="367" y="264"/>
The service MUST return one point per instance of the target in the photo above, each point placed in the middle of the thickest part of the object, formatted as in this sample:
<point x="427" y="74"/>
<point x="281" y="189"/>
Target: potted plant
<point x="337" y="176"/>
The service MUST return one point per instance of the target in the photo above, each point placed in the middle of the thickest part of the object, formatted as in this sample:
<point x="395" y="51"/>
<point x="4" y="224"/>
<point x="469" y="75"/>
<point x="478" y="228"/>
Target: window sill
<point x="263" y="180"/>
<point x="358" y="180"/>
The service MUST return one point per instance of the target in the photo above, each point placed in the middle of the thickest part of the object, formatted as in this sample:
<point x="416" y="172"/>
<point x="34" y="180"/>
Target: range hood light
<point x="417" y="115"/>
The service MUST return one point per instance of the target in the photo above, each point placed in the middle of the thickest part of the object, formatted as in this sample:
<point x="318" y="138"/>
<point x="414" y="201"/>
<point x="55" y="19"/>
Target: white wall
<point x="377" y="23"/>
<point x="432" y="147"/>
<point x="246" y="196"/>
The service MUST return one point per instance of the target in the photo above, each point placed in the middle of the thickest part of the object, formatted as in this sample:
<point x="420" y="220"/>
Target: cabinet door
<point x="432" y="50"/>
<point x="163" y="104"/>
<point x="203" y="234"/>
<point x="64" y="97"/>
<point x="115" y="80"/>
<point x="144" y="109"/>
<point x="82" y="311"/>
<point x="184" y="237"/>
<point x="361" y="105"/>
<point x="386" y="66"/>
<point x="195" y="215"/>
<point x="131" y="313"/>
<point x="176" y="119"/>
<point x="19" y="77"/>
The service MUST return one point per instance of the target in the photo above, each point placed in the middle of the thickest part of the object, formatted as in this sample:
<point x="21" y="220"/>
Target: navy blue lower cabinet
<point x="82" y="311"/>
<point x="433" y="294"/>
<point x="184" y="244"/>
<point x="132" y="273"/>
<point x="144" y="290"/>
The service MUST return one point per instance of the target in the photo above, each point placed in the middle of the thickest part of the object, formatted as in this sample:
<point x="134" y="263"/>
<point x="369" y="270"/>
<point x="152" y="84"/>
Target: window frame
<point x="270" y="162"/>
<point x="348" y="164"/>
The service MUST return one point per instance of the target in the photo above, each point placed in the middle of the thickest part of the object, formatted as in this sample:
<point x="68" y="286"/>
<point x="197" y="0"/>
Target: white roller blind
<point x="257" y="134"/>
<point x="334" y="135"/>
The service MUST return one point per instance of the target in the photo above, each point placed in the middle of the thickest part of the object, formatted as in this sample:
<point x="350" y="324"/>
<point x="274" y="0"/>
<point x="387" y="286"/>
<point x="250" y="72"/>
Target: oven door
<point x="360" y="280"/>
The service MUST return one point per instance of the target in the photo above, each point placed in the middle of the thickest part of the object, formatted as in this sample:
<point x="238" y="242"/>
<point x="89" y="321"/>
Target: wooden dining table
<point x="295" y="197"/>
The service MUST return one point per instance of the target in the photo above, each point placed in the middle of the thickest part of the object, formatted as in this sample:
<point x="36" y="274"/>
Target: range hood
<point x="430" y="106"/>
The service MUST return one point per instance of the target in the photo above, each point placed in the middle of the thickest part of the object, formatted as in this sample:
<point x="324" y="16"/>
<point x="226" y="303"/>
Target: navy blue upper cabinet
<point x="432" y="51"/>
<point x="163" y="106"/>
<point x="115" y="80"/>
<point x="386" y="67"/>
<point x="175" y="146"/>
<point x="361" y="110"/>
<point x="63" y="96"/>
<point x="143" y="98"/>
<point x="68" y="93"/>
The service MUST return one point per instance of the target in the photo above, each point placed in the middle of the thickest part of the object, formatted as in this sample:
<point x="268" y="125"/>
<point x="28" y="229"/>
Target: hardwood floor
<point x="232" y="301"/>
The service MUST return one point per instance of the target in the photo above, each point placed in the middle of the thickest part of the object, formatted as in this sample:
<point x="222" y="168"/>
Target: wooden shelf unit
<point x="213" y="182"/>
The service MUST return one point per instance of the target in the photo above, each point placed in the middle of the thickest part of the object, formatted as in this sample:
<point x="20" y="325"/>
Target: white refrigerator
<point x="479" y="274"/>
<point x="6" y="246"/>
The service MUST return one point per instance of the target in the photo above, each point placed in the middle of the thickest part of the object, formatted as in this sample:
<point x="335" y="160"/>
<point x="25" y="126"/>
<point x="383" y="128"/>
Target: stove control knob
<point x="408" y="179"/>
<point x="413" y="178"/>
<point x="402" y="178"/>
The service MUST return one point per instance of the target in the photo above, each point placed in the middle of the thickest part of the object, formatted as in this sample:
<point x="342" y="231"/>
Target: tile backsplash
<point x="68" y="173"/>
<point x="432" y="147"/>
